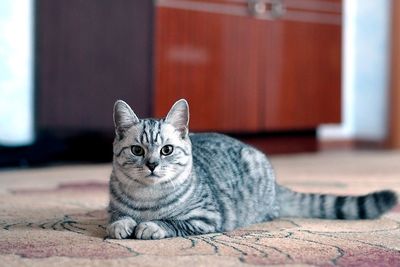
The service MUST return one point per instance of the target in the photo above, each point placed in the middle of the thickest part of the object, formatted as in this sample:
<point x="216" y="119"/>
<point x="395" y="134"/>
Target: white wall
<point x="16" y="72"/>
<point x="365" y="72"/>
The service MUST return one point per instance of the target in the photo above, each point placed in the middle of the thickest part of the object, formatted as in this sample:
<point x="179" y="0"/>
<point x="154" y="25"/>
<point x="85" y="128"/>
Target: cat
<point x="166" y="182"/>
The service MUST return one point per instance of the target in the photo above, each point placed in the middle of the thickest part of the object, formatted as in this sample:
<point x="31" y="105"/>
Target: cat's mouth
<point x="153" y="175"/>
<point x="152" y="179"/>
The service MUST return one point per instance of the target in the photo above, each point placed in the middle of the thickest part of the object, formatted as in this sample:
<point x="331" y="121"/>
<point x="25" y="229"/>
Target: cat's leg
<point x="121" y="228"/>
<point x="171" y="228"/>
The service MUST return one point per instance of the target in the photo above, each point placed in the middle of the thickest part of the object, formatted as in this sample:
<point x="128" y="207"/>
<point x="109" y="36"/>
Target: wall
<point x="16" y="72"/>
<point x="365" y="72"/>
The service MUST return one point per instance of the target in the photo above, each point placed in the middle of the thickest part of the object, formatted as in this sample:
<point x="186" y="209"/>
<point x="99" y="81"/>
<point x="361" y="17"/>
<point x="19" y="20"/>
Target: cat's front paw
<point x="121" y="229"/>
<point x="149" y="230"/>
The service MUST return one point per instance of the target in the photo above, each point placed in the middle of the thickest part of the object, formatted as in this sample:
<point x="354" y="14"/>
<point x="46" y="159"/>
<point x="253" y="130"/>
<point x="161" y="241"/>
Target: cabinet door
<point x="303" y="73"/>
<point x="208" y="52"/>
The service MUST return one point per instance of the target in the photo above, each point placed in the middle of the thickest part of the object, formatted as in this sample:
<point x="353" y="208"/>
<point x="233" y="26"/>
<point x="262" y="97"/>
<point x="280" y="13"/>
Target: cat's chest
<point x="149" y="215"/>
<point x="161" y="213"/>
<point x="158" y="205"/>
<point x="171" y="207"/>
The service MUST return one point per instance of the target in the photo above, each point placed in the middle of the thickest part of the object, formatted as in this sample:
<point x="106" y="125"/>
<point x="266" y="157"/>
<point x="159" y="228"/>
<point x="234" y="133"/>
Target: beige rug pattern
<point x="55" y="216"/>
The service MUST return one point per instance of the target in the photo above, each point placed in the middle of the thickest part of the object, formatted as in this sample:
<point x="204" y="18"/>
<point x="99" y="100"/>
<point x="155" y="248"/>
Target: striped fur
<point x="369" y="206"/>
<point x="208" y="183"/>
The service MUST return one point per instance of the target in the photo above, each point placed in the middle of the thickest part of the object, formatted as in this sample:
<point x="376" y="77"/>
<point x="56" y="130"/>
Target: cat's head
<point x="152" y="151"/>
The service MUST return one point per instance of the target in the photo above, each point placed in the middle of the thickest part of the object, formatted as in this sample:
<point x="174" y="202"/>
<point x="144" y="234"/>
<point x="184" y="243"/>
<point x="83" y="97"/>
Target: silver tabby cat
<point x="166" y="182"/>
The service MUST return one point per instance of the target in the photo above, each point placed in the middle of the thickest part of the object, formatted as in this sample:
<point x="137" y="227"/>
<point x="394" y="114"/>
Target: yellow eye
<point x="167" y="150"/>
<point x="137" y="150"/>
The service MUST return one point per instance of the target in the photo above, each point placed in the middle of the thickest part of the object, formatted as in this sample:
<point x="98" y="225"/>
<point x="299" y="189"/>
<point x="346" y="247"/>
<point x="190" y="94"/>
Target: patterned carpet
<point x="55" y="217"/>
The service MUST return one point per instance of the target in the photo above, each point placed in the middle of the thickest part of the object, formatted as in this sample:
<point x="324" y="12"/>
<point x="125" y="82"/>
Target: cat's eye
<point x="137" y="150"/>
<point x="167" y="150"/>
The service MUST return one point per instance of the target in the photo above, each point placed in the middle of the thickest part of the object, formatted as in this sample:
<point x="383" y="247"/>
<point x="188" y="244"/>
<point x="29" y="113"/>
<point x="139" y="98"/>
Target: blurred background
<point x="287" y="76"/>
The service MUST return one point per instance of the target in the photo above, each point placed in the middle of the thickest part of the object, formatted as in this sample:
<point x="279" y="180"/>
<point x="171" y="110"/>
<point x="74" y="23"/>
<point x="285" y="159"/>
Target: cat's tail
<point x="305" y="205"/>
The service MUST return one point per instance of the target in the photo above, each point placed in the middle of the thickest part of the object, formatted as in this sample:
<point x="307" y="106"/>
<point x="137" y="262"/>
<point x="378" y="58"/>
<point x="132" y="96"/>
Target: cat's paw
<point x="149" y="230"/>
<point x="121" y="229"/>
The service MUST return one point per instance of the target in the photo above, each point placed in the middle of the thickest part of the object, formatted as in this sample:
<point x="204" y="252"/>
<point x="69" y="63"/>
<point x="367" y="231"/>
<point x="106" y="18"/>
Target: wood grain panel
<point x="213" y="61"/>
<point x="304" y="75"/>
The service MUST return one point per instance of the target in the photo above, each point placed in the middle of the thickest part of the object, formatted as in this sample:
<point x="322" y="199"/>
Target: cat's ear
<point x="124" y="117"/>
<point x="178" y="116"/>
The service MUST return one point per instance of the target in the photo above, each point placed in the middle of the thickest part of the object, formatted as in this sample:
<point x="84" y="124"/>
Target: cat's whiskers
<point x="172" y="182"/>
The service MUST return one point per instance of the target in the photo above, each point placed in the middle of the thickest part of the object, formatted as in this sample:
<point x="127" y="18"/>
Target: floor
<point x="56" y="216"/>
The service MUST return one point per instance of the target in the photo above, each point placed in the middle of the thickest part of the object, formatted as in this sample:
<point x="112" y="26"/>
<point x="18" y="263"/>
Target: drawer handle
<point x="274" y="9"/>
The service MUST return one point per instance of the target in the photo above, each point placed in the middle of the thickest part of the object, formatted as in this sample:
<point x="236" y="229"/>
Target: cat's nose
<point x="151" y="165"/>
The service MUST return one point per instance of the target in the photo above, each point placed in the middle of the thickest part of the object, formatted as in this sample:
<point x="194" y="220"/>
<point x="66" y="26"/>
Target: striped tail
<point x="304" y="205"/>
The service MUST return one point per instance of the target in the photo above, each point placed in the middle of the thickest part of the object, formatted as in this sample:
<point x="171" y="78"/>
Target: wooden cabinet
<point x="248" y="66"/>
<point x="268" y="70"/>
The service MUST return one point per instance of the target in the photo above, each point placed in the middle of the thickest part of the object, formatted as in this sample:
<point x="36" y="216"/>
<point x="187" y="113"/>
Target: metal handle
<point x="272" y="8"/>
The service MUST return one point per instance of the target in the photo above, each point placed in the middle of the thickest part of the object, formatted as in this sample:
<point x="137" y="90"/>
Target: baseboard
<point x="350" y="144"/>
<point x="282" y="142"/>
